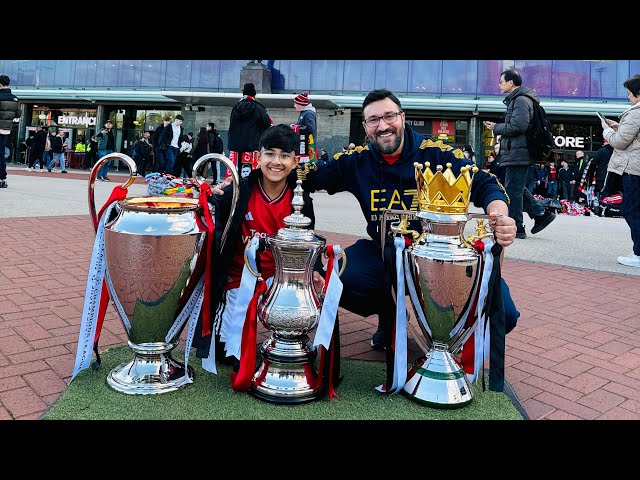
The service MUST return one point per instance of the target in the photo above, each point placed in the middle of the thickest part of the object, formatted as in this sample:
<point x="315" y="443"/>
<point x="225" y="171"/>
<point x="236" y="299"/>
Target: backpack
<point x="539" y="136"/>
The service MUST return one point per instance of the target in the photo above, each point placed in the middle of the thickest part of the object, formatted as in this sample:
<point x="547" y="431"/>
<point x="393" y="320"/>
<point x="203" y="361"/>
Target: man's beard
<point x="387" y="149"/>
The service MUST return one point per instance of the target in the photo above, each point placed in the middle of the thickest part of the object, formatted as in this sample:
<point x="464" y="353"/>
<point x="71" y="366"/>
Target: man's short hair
<point x="380" y="94"/>
<point x="512" y="74"/>
<point x="166" y="118"/>
<point x="5" y="80"/>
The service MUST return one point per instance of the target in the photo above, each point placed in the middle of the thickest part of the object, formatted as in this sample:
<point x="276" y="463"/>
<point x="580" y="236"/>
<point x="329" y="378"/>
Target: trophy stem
<point x="438" y="381"/>
<point x="286" y="374"/>
<point x="151" y="371"/>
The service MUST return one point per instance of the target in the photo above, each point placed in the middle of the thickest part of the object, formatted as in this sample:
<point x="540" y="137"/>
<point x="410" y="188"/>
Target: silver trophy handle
<point x="133" y="170"/>
<point x="217" y="157"/>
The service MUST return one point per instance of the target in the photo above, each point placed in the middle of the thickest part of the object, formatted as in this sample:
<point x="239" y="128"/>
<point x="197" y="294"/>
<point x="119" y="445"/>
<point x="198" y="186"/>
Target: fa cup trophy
<point x="443" y="272"/>
<point x="291" y="309"/>
<point x="153" y="260"/>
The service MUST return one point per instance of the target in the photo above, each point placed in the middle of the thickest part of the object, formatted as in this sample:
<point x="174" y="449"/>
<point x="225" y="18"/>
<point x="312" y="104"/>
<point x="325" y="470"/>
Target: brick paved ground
<point x="575" y="353"/>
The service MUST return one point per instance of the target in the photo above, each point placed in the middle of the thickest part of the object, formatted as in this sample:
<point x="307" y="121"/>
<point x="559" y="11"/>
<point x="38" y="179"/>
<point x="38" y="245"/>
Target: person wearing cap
<point x="306" y="126"/>
<point x="170" y="140"/>
<point x="249" y="119"/>
<point x="106" y="145"/>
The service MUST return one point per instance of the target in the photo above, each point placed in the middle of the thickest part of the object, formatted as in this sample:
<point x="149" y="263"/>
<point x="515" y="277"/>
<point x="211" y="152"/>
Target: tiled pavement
<point x="575" y="353"/>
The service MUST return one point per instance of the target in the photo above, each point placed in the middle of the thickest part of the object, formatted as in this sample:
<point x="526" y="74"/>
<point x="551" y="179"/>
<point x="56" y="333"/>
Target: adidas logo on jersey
<point x="248" y="216"/>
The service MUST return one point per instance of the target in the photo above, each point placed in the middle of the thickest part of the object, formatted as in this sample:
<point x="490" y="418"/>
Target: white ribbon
<point x="245" y="293"/>
<point x="116" y="301"/>
<point x="329" y="305"/>
<point x="414" y="296"/>
<point x="400" y="354"/>
<point x="193" y="320"/>
<point x="92" y="297"/>
<point x="481" y="339"/>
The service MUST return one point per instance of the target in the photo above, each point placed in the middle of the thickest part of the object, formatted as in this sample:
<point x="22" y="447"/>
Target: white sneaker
<point x="28" y="169"/>
<point x="38" y="169"/>
<point x="631" y="260"/>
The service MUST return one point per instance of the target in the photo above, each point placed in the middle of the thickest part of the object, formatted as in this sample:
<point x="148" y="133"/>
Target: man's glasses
<point x="271" y="156"/>
<point x="387" y="117"/>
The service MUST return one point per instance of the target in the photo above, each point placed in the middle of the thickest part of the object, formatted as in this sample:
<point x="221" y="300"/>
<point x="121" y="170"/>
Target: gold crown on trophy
<point x="442" y="192"/>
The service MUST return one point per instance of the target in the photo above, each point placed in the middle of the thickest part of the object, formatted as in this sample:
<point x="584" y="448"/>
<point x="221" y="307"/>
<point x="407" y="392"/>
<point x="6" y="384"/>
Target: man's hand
<point x="219" y="188"/>
<point x="503" y="226"/>
<point x="489" y="125"/>
<point x="318" y="281"/>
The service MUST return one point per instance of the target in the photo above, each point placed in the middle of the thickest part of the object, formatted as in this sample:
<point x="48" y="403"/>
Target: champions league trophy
<point x="443" y="274"/>
<point x="290" y="308"/>
<point x="154" y="248"/>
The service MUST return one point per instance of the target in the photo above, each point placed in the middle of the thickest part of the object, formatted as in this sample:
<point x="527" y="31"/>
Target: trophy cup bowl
<point x="153" y="249"/>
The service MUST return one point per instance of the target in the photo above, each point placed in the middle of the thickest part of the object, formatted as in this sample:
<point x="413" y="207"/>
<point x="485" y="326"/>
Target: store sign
<point x="72" y="120"/>
<point x="416" y="123"/>
<point x="447" y="127"/>
<point x="575" y="142"/>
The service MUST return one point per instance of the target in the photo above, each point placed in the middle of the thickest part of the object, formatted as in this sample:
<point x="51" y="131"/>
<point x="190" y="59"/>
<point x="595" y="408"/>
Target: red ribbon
<point x="117" y="194"/>
<point x="205" y="191"/>
<point x="242" y="380"/>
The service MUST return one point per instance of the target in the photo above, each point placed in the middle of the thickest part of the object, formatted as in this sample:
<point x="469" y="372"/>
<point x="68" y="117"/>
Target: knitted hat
<point x="249" y="89"/>
<point x="302" y="99"/>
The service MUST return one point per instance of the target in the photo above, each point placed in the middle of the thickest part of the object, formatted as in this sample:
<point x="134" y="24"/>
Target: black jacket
<point x="8" y="108"/>
<point x="513" y="141"/>
<point x="248" y="120"/>
<point x="600" y="163"/>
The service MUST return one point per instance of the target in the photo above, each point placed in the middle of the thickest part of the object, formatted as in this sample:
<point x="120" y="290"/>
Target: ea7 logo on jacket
<point x="384" y="199"/>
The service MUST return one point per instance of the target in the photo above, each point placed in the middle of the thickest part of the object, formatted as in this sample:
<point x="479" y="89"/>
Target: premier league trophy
<point x="154" y="249"/>
<point x="290" y="308"/>
<point x="443" y="274"/>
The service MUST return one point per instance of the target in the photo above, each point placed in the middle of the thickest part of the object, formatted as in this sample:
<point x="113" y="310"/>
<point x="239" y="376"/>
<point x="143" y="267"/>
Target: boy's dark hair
<point x="5" y="80"/>
<point x="512" y="74"/>
<point x="279" y="136"/>
<point x="212" y="125"/>
<point x="380" y="94"/>
<point x="633" y="85"/>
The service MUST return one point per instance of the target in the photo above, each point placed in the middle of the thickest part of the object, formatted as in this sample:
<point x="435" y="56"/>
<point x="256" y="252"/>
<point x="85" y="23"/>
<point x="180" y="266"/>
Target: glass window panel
<point x="296" y="75"/>
<point x="129" y="73"/>
<point x="26" y="73"/>
<point x="45" y="72"/>
<point x="425" y="76"/>
<point x="459" y="76"/>
<point x="624" y="71"/>
<point x="85" y="73"/>
<point x="604" y="79"/>
<point x="107" y="73"/>
<point x="358" y="75"/>
<point x="152" y="73"/>
<point x="205" y="74"/>
<point x="64" y="73"/>
<point x="536" y="74"/>
<point x="327" y="75"/>
<point x="392" y="74"/>
<point x="570" y="79"/>
<point x="178" y="74"/>
<point x="230" y="74"/>
<point x="489" y="74"/>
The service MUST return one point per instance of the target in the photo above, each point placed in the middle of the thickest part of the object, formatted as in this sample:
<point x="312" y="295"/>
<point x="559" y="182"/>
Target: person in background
<point x="565" y="176"/>
<point x="514" y="153"/>
<point x="324" y="156"/>
<point x="249" y="119"/>
<point x="182" y="167"/>
<point x="92" y="153"/>
<point x="57" y="150"/>
<point x="37" y="149"/>
<point x="142" y="149"/>
<point x="624" y="137"/>
<point x="601" y="163"/>
<point x="216" y="145"/>
<point x="469" y="154"/>
<point x="106" y="145"/>
<point x="9" y="110"/>
<point x="170" y="140"/>
<point x="160" y="151"/>
<point x="306" y="126"/>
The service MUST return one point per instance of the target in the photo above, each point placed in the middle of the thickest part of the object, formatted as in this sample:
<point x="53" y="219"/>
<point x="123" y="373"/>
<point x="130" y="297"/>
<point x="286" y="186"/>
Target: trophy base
<point x="436" y="380"/>
<point x="149" y="373"/>
<point x="286" y="374"/>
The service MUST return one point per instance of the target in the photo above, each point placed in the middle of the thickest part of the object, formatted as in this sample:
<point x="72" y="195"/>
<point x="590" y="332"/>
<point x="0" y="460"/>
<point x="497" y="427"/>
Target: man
<point x="306" y="126"/>
<point x="37" y="149"/>
<point x="514" y="154"/>
<point x="159" y="154"/>
<point x="215" y="145"/>
<point x="8" y="111"/>
<point x="600" y="163"/>
<point x="170" y="142"/>
<point x="382" y="176"/>
<point x="106" y="145"/>
<point x="249" y="119"/>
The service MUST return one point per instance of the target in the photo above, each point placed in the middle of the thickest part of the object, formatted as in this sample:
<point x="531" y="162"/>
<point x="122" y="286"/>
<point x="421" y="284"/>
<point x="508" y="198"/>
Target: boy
<point x="264" y="201"/>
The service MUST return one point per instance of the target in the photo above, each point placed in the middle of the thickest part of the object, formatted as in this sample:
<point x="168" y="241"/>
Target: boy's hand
<point x="318" y="281"/>
<point x="219" y="188"/>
